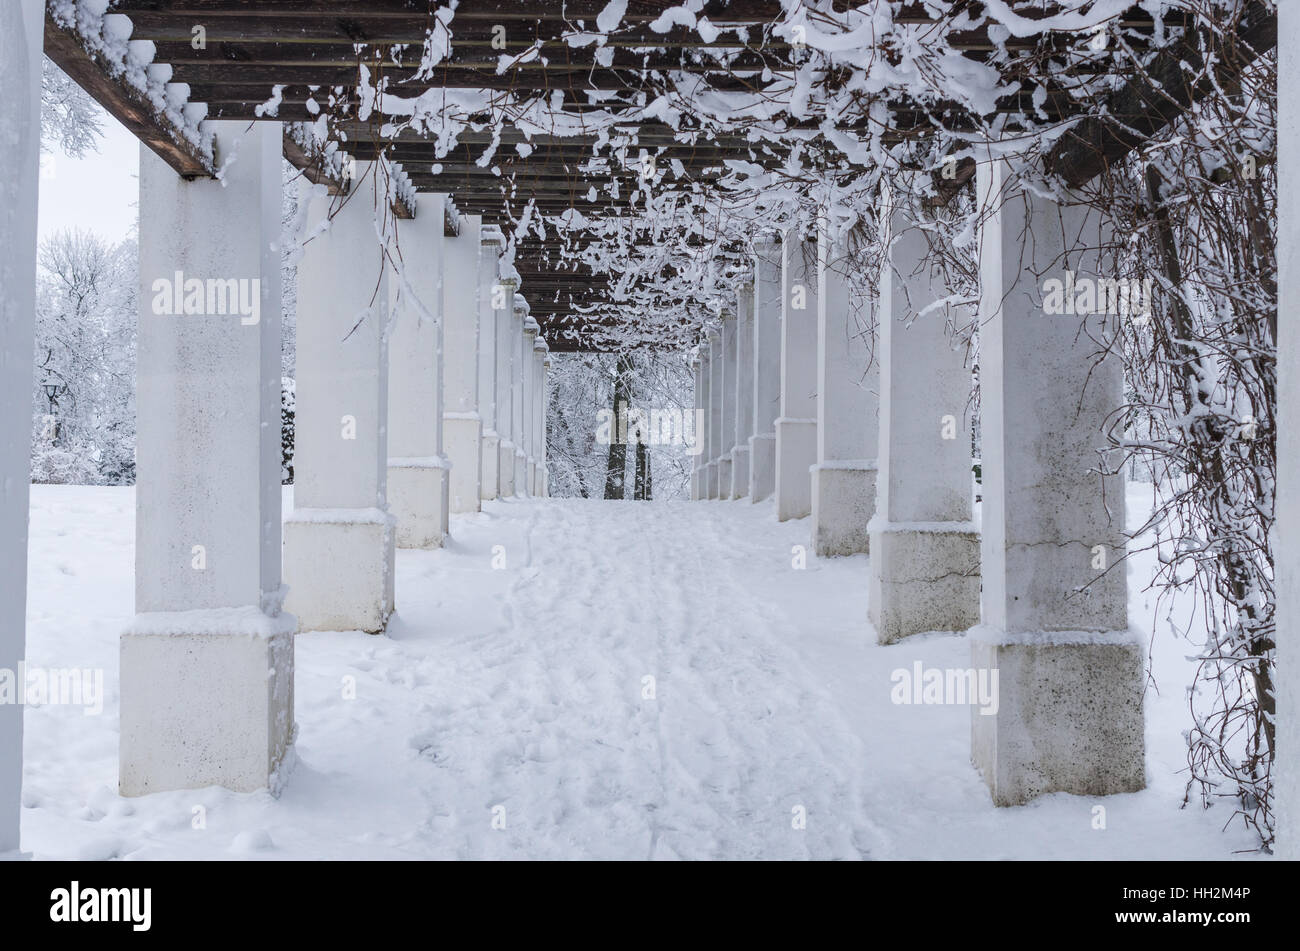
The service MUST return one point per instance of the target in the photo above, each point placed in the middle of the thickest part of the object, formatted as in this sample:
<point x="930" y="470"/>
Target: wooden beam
<point x="1145" y="107"/>
<point x="128" y="105"/>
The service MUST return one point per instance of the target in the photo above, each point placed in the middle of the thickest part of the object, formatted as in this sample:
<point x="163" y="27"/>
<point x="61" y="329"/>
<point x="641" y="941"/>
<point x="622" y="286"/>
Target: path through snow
<point x="518" y="696"/>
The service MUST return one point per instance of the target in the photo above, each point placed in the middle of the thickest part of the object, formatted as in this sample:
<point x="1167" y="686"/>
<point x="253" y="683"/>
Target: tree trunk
<point x="642" y="489"/>
<point x="616" y="467"/>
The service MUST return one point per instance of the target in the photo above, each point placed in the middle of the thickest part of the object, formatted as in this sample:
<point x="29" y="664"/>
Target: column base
<point x="521" y="473"/>
<point x="843" y="504"/>
<point x="762" y="467"/>
<point x="544" y="489"/>
<point x="740" y="471"/>
<point x="506" y="468"/>
<point x="711" y="480"/>
<point x="461" y="435"/>
<point x="1068" y="714"/>
<point x="491" y="477"/>
<point x="724" y="477"/>
<point x="532" y="478"/>
<point x="338" y="564"/>
<point x="417" y="489"/>
<point x="924" y="577"/>
<point x="796" y="453"/>
<point x="207" y="700"/>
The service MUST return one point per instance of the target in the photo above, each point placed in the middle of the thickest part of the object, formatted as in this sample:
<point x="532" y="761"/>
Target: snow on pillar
<point x="339" y="540"/>
<point x="697" y="472"/>
<point x="715" y="412"/>
<point x="925" y="553"/>
<point x="417" y="470"/>
<point x="520" y="466"/>
<point x="538" y="464"/>
<point x="728" y="403"/>
<point x="1069" y="715"/>
<point x="21" y="26"/>
<point x="848" y="386"/>
<point x="796" y="428"/>
<point x="492" y="299"/>
<point x="1286" y="771"/>
<point x="525" y="477"/>
<point x="544" y="475"/>
<point x="206" y="669"/>
<point x="744" y="398"/>
<point x="767" y="370"/>
<point x="462" y="426"/>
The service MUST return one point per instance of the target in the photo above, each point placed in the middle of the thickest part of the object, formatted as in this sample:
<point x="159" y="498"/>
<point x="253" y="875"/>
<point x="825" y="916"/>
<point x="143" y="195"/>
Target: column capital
<point x="491" y="234"/>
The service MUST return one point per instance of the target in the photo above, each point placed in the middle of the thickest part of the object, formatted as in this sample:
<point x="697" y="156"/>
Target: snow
<point x="524" y="688"/>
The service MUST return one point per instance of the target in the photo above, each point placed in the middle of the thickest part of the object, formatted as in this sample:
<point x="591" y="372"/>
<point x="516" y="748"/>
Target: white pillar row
<point x="697" y="471"/>
<point x="848" y="395"/>
<point x="545" y="488"/>
<point x="524" y="370"/>
<point x="744" y="396"/>
<point x="492" y="299"/>
<point x="728" y="403"/>
<point x="21" y="36"/>
<point x="509" y="324"/>
<point x="796" y="427"/>
<point x="715" y="412"/>
<point x="1286" y="771"/>
<point x="525" y="477"/>
<point x="339" y="539"/>
<point x="517" y="340"/>
<point x="206" y="669"/>
<point x="417" y="468"/>
<point x="1069" y="715"/>
<point x="924" y="542"/>
<point x="538" y="466"/>
<point x="705" y="416"/>
<point x="462" y="425"/>
<point x="767" y="370"/>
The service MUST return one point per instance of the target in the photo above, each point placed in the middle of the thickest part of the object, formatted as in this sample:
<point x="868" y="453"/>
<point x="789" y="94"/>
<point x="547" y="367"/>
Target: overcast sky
<point x="98" y="193"/>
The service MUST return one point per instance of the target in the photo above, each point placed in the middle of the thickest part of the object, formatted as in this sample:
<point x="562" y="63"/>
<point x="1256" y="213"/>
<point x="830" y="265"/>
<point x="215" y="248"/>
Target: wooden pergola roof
<point x="254" y="46"/>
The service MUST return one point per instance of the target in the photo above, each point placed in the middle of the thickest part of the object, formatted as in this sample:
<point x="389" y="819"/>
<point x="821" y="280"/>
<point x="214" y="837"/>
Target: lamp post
<point x="53" y="391"/>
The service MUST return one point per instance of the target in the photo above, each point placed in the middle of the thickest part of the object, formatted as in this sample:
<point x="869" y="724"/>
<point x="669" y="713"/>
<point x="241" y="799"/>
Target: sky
<point x="98" y="193"/>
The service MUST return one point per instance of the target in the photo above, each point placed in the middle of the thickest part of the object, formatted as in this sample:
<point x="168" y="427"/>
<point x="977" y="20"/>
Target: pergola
<point x="402" y="422"/>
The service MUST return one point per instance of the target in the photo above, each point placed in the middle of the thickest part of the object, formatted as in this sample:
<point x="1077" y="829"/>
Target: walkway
<point x="519" y="696"/>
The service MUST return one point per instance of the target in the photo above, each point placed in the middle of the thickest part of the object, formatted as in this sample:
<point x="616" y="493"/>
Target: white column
<point x="729" y="366"/>
<point x="704" y="460"/>
<point x="207" y="664"/>
<point x="462" y="426"/>
<point x="508" y="326"/>
<point x="744" y="397"/>
<point x="538" y="463"/>
<point x="715" y="413"/>
<point x="492" y="299"/>
<point x="339" y="539"/>
<point x="1286" y="771"/>
<point x="21" y="32"/>
<point x="544" y="473"/>
<point x="417" y="469"/>
<point x="796" y="428"/>
<point x="1069" y="715"/>
<point x="701" y="436"/>
<point x="517" y="393"/>
<point x="924" y="544"/>
<point x="527" y="475"/>
<point x="848" y="387"/>
<point x="767" y="370"/>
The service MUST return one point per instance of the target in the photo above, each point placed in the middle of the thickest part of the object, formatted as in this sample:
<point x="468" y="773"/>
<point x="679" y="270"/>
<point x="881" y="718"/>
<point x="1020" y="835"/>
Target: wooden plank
<point x="124" y="102"/>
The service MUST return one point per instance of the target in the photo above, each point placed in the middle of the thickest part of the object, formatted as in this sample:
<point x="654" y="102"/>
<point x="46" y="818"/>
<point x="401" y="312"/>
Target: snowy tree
<point x="70" y="120"/>
<point x="84" y="418"/>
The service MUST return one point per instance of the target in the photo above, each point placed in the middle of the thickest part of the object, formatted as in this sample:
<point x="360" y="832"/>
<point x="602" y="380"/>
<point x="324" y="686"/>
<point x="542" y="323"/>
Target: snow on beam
<point x="92" y="70"/>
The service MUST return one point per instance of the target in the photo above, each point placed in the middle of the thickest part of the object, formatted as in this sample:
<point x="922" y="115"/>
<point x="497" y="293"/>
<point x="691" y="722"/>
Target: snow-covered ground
<point x="517" y="696"/>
